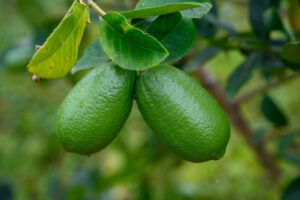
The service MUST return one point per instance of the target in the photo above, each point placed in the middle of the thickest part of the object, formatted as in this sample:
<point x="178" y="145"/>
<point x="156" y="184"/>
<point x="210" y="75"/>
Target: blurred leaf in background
<point x="242" y="74"/>
<point x="288" y="147"/>
<point x="272" y="112"/>
<point x="292" y="192"/>
<point x="239" y="42"/>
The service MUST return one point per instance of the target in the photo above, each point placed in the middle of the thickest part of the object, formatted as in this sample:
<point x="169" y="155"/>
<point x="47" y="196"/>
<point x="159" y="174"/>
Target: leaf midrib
<point x="75" y="27"/>
<point x="197" y="4"/>
<point x="135" y="43"/>
<point x="177" y="25"/>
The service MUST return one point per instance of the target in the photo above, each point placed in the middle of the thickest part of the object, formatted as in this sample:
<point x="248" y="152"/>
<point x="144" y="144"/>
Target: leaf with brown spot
<point x="58" y="54"/>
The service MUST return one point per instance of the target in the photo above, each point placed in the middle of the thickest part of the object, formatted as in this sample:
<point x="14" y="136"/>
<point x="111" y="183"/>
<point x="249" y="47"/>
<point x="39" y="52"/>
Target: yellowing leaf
<point x="58" y="54"/>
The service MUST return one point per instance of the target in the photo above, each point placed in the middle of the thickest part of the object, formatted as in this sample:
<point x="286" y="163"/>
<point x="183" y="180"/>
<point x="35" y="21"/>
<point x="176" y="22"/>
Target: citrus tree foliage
<point x="162" y="32"/>
<point x="124" y="44"/>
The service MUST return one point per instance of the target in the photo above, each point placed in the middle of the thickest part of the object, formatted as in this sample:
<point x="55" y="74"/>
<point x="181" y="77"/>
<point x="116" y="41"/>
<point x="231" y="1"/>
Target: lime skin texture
<point x="182" y="114"/>
<point x="95" y="110"/>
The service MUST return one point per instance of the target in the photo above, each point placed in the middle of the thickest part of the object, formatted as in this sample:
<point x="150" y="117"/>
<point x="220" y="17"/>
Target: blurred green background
<point x="135" y="166"/>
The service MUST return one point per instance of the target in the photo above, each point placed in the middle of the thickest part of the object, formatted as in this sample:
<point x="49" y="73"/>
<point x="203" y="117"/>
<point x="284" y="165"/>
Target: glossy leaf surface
<point x="176" y="33"/>
<point x="128" y="46"/>
<point x="148" y="8"/>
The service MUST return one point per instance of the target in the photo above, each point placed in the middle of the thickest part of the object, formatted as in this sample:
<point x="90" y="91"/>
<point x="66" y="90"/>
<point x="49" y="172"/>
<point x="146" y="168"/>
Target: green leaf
<point x="141" y="23"/>
<point x="272" y="112"/>
<point x="148" y="8"/>
<point x="164" y="25"/>
<point x="292" y="191"/>
<point x="272" y="20"/>
<point x="257" y="9"/>
<point x="59" y="53"/>
<point x="290" y="55"/>
<point x="176" y="33"/>
<point x="93" y="56"/>
<point x="242" y="74"/>
<point x="127" y="46"/>
<point x="287" y="144"/>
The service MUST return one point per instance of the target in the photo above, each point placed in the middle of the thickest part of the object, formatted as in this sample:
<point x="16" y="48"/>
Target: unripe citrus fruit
<point x="182" y="114"/>
<point x="95" y="110"/>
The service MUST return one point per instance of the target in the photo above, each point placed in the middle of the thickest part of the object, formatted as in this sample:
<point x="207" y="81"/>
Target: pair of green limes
<point x="178" y="110"/>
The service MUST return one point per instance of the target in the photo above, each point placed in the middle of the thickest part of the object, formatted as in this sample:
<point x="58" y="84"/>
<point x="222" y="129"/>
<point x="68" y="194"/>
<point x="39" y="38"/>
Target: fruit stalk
<point x="237" y="120"/>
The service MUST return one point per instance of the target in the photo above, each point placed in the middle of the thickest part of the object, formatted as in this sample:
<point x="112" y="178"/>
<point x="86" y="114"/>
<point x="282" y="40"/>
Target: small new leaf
<point x="93" y="56"/>
<point x="189" y="8"/>
<point x="58" y="54"/>
<point x="127" y="46"/>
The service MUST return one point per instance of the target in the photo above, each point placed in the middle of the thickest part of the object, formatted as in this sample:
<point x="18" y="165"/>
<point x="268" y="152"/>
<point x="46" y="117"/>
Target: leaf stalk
<point x="96" y="8"/>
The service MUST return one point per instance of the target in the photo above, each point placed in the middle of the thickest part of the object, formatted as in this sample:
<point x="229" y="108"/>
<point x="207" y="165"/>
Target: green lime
<point x="95" y="110"/>
<point x="182" y="114"/>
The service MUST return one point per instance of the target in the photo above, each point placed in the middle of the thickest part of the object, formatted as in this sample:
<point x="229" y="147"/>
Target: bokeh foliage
<point x="235" y="37"/>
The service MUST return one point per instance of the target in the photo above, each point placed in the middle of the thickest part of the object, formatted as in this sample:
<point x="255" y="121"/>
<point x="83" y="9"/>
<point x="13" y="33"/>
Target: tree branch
<point x="245" y="97"/>
<point x="237" y="120"/>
